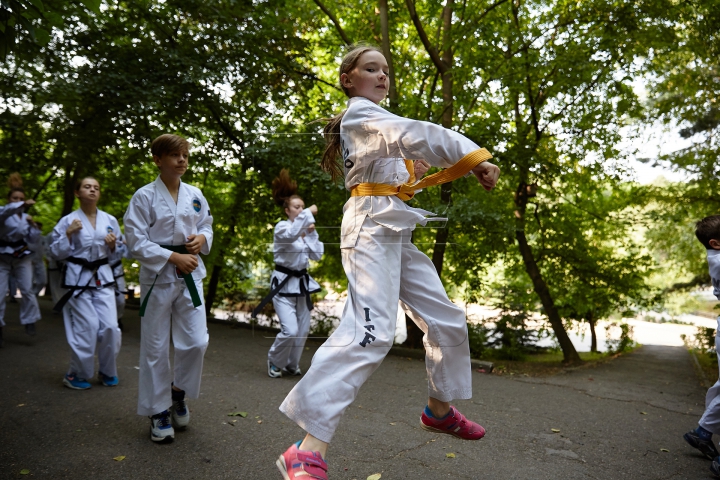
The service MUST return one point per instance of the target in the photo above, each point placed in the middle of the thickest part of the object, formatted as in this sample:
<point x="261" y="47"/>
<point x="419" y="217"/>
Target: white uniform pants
<point x="39" y="276"/>
<point x="91" y="324"/>
<point x="711" y="417"/>
<point x="21" y="269"/>
<point x="120" y="289"/>
<point x="294" y="325"/>
<point x="382" y="268"/>
<point x="170" y="309"/>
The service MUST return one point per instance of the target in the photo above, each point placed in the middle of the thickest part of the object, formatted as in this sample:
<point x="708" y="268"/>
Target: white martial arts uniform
<point x="15" y="236"/>
<point x="38" y="248"/>
<point x="382" y="267"/>
<point x="121" y="251"/>
<point x="54" y="272"/>
<point x="153" y="219"/>
<point x="710" y="419"/>
<point x="89" y="314"/>
<point x="293" y="246"/>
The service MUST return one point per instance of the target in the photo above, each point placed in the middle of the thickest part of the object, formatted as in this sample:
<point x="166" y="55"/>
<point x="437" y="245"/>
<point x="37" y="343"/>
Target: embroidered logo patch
<point x="196" y="204"/>
<point x="110" y="229"/>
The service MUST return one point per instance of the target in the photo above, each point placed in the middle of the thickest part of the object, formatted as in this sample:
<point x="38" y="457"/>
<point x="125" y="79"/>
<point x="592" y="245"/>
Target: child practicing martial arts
<point x="707" y="231"/>
<point x="295" y="242"/>
<point x="167" y="225"/>
<point x="383" y="266"/>
<point x="83" y="240"/>
<point x="17" y="232"/>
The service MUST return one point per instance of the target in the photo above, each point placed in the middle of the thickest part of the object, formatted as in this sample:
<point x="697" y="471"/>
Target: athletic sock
<point x="429" y="413"/>
<point x="177" y="396"/>
<point x="702" y="433"/>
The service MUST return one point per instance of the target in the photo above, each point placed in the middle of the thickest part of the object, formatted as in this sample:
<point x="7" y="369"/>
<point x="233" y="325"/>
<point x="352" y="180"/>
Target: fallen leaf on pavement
<point x="24" y="471"/>
<point x="555" y="430"/>
<point x="665" y="450"/>
<point x="237" y="414"/>
<point x="119" y="459"/>
<point x="392" y="423"/>
<point x="21" y="405"/>
<point x="643" y="413"/>
<point x="259" y="421"/>
<point x="450" y="455"/>
<point x="374" y="476"/>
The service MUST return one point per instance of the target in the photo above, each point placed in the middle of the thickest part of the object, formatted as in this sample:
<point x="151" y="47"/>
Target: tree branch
<point x="434" y="55"/>
<point x="335" y="22"/>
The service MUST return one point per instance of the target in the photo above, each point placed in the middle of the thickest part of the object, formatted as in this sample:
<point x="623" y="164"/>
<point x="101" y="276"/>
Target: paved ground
<point x="55" y="432"/>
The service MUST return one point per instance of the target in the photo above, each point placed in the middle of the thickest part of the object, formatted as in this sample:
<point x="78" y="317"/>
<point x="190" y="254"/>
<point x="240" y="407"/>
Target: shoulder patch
<point x="196" y="204"/>
<point x="110" y="229"/>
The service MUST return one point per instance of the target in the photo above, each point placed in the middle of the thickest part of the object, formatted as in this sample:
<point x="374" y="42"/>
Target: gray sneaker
<point x="161" y="429"/>
<point x="706" y="447"/>
<point x="274" y="371"/>
<point x="180" y="414"/>
<point x="292" y="371"/>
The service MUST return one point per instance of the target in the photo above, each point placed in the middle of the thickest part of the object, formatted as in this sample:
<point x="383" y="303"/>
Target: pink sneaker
<point x="297" y="464"/>
<point x="455" y="424"/>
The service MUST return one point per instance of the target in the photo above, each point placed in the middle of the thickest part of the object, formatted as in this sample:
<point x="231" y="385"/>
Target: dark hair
<point x="15" y="183"/>
<point x="708" y="229"/>
<point x="331" y="132"/>
<point x="79" y="183"/>
<point x="284" y="189"/>
<point x="169" y="143"/>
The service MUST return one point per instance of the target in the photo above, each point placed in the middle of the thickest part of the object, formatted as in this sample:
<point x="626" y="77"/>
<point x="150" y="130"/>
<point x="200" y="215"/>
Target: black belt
<point x="114" y="266"/>
<point x="18" y="246"/>
<point x="289" y="273"/>
<point x="94" y="265"/>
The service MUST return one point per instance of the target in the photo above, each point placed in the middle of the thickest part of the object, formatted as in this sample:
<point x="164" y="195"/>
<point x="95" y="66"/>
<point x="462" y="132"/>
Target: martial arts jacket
<point x="15" y="229"/>
<point x="293" y="247"/>
<point x="375" y="144"/>
<point x="88" y="244"/>
<point x="153" y="219"/>
<point x="713" y="259"/>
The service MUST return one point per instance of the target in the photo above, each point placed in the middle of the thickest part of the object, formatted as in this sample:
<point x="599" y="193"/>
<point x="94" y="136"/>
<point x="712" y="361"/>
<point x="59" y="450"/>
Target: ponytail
<point x="284" y="189"/>
<point x="15" y="183"/>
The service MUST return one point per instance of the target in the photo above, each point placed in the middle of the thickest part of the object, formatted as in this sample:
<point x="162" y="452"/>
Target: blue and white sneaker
<point x="292" y="371"/>
<point x="274" y="371"/>
<point x="71" y="380"/>
<point x="108" y="381"/>
<point x="161" y="429"/>
<point x="180" y="412"/>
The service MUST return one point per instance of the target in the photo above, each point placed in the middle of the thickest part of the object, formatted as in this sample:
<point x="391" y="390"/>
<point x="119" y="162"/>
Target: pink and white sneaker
<point x="454" y="424"/>
<point x="297" y="464"/>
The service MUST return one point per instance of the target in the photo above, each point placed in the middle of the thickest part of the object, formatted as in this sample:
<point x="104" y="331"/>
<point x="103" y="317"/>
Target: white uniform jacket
<point x="15" y="229"/>
<point x="88" y="243"/>
<point x="375" y="144"/>
<point x="153" y="219"/>
<point x="713" y="259"/>
<point x="293" y="246"/>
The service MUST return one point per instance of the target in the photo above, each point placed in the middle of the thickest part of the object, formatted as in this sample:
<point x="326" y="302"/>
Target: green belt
<point x="189" y="281"/>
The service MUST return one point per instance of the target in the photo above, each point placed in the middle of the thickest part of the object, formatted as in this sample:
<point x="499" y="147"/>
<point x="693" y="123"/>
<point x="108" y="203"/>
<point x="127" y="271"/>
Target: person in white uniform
<point x="17" y="232"/>
<point x="383" y="266"/>
<point x="295" y="242"/>
<point x="83" y="241"/>
<point x="39" y="247"/>
<point x="121" y="251"/>
<point x="167" y="224"/>
<point x="707" y="232"/>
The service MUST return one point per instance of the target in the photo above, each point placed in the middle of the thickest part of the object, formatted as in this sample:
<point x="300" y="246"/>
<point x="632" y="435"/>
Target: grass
<point x="708" y="365"/>
<point x="547" y="363"/>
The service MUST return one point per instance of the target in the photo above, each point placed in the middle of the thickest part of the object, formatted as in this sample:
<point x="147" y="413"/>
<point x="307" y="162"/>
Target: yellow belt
<point x="407" y="191"/>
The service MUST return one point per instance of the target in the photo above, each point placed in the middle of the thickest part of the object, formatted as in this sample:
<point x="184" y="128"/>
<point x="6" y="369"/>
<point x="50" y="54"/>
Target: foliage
<point x="624" y="342"/>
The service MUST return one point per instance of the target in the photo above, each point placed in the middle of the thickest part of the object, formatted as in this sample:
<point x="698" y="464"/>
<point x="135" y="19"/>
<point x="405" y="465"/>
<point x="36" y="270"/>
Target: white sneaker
<point x="292" y="371"/>
<point x="180" y="413"/>
<point x="274" y="371"/>
<point x="160" y="428"/>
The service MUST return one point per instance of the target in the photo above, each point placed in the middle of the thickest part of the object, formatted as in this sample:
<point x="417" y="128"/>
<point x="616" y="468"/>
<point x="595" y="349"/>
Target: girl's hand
<point x="110" y="241"/>
<point x="75" y="226"/>
<point x="194" y="244"/>
<point x="313" y="209"/>
<point x="487" y="174"/>
<point x="421" y="167"/>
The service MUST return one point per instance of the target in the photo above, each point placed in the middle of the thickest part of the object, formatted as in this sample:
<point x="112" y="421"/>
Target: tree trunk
<point x="593" y="336"/>
<point x="212" y="286"/>
<point x="385" y="27"/>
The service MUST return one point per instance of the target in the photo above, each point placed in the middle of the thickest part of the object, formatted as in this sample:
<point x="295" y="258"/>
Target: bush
<point x="624" y="343"/>
<point x="477" y="338"/>
<point x="322" y="324"/>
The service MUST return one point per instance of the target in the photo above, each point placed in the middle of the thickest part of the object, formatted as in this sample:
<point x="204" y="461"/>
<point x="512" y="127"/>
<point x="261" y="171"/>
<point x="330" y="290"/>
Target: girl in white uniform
<point x="167" y="225"/>
<point x="295" y="241"/>
<point x="383" y="266"/>
<point x="16" y="233"/>
<point x="83" y="241"/>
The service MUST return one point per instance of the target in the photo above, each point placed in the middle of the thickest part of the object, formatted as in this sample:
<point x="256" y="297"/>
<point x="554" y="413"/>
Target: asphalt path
<point x="610" y="421"/>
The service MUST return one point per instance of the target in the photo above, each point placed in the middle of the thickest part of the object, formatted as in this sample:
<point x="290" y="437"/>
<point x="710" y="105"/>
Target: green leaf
<point x="238" y="414"/>
<point x="38" y="4"/>
<point x="42" y="36"/>
<point x="24" y="471"/>
<point x="374" y="476"/>
<point x="93" y="5"/>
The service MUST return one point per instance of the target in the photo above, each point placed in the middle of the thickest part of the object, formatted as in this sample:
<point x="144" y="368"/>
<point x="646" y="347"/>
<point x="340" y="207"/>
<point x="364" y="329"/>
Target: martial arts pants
<point x="39" y="277"/>
<point x="22" y="269"/>
<point x="711" y="417"/>
<point x="170" y="309"/>
<point x="382" y="267"/>
<point x="294" y="325"/>
<point x="91" y="324"/>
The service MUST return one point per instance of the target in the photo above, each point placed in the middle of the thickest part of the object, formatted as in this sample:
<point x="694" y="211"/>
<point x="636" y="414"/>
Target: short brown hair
<point x="708" y="229"/>
<point x="169" y="143"/>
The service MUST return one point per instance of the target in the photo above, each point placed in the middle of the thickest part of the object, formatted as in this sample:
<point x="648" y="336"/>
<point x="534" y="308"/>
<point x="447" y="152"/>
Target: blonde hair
<point x="331" y="132"/>
<point x="15" y="184"/>
<point x="169" y="143"/>
<point x="284" y="189"/>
